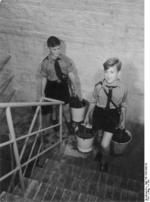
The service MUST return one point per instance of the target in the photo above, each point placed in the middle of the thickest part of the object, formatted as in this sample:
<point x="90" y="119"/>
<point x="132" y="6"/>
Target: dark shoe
<point x="104" y="167"/>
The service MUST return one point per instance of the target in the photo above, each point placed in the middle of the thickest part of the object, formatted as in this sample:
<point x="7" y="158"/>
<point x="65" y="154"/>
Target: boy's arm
<point x="73" y="83"/>
<point x="88" y="117"/>
<point x="123" y="110"/>
<point x="122" y="118"/>
<point x="89" y="114"/>
<point x="43" y="73"/>
<point x="72" y="76"/>
<point x="43" y="86"/>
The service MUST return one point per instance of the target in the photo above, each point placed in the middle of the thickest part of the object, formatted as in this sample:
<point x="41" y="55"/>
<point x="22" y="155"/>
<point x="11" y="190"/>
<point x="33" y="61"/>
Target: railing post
<point x="15" y="147"/>
<point x="60" y="122"/>
<point x="40" y="118"/>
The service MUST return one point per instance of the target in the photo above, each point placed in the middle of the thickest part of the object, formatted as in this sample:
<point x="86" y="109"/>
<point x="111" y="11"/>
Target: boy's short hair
<point x="111" y="62"/>
<point x="53" y="41"/>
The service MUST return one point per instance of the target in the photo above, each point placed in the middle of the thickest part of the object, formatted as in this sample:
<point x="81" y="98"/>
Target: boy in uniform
<point x="109" y="104"/>
<point x="56" y="69"/>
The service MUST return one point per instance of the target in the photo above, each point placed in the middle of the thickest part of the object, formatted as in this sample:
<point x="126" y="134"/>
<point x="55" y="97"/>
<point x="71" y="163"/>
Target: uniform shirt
<point x="119" y="94"/>
<point x="48" y="69"/>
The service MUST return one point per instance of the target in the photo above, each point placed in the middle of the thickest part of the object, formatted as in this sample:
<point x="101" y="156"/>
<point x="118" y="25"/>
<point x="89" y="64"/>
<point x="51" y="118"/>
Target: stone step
<point x="58" y="180"/>
<point x="87" y="161"/>
<point x="36" y="191"/>
<point x="100" y="189"/>
<point x="64" y="170"/>
<point x="7" y="197"/>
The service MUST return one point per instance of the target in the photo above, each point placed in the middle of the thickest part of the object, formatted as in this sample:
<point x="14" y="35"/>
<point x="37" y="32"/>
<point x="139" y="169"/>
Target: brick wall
<point x="93" y="31"/>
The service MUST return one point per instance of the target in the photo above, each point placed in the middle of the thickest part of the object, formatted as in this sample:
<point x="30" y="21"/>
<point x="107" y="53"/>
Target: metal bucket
<point x="120" y="147"/>
<point x="78" y="114"/>
<point x="85" y="138"/>
<point x="85" y="145"/>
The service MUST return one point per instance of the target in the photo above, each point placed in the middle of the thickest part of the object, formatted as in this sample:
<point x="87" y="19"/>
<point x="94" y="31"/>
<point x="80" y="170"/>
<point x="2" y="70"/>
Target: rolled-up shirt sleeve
<point x="125" y="99"/>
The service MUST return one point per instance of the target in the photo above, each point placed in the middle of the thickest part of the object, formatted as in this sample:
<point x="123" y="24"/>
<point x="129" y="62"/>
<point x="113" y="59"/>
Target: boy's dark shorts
<point x="58" y="91"/>
<point x="106" y="120"/>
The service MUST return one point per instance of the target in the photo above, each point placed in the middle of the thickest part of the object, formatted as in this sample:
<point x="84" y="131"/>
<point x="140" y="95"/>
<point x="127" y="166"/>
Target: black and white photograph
<point x="74" y="101"/>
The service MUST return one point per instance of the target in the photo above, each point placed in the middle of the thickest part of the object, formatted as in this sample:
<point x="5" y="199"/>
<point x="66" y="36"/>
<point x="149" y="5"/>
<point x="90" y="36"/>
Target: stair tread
<point x="73" y="171"/>
<point x="75" y="179"/>
<point x="86" y="162"/>
<point x="100" y="191"/>
<point x="47" y="192"/>
<point x="15" y="198"/>
<point x="55" y="190"/>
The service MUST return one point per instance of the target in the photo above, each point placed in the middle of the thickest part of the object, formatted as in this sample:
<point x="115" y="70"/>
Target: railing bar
<point x="10" y="173"/>
<point x="12" y="166"/>
<point x="60" y="122"/>
<point x="11" y="182"/>
<point x="36" y="158"/>
<point x="16" y="153"/>
<point x="49" y="99"/>
<point x="30" y="129"/>
<point x="50" y="127"/>
<point x="31" y="152"/>
<point x="27" y="104"/>
<point x="38" y="131"/>
<point x="6" y="143"/>
<point x="8" y="99"/>
<point x="37" y="135"/>
<point x="40" y="118"/>
<point x="14" y="140"/>
<point x="41" y="153"/>
<point x="41" y="143"/>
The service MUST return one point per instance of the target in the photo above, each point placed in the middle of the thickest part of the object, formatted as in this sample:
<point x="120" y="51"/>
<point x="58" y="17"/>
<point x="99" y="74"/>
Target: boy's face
<point x="55" y="51"/>
<point x="111" y="74"/>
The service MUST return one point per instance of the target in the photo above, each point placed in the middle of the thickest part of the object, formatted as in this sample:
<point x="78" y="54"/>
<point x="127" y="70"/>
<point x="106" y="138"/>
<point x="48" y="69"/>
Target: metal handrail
<point x="29" y="104"/>
<point x="13" y="139"/>
<point x="34" y="143"/>
<point x="29" y="132"/>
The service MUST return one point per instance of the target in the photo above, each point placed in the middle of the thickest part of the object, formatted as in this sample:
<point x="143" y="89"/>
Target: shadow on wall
<point x="77" y="79"/>
<point x="39" y="78"/>
<point x="135" y="85"/>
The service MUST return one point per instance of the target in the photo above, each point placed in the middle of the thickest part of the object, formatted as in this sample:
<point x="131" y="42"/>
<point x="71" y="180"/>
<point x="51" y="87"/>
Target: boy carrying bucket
<point x="57" y="70"/>
<point x="109" y="108"/>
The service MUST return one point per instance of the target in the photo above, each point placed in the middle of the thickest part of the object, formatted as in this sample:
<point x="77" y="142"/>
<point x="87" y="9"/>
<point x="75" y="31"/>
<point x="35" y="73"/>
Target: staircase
<point x="59" y="177"/>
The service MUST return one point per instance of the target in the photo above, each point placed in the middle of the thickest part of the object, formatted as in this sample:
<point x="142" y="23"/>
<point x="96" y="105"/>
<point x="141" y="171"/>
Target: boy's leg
<point x="99" y="136"/>
<point x="45" y="124"/>
<point x="97" y="143"/>
<point x="54" y="117"/>
<point x="106" y="140"/>
<point x="105" y="148"/>
<point x="66" y="111"/>
<point x="54" y="114"/>
<point x="67" y="117"/>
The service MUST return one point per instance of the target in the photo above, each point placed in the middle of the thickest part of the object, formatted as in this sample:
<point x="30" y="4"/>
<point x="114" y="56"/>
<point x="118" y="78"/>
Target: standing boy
<point x="109" y="103"/>
<point x="56" y="69"/>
